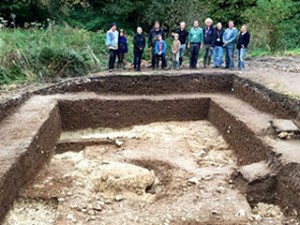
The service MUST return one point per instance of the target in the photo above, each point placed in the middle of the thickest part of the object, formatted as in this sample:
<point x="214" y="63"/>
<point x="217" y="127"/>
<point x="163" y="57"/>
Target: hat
<point x="113" y="24"/>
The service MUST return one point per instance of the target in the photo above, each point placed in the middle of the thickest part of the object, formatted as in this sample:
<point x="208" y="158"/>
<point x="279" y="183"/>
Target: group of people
<point x="213" y="40"/>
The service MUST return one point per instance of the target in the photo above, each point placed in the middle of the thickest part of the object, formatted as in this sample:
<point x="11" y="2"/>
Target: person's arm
<point x="214" y="38"/>
<point x="247" y="41"/>
<point x="164" y="51"/>
<point x="143" y="43"/>
<point x="107" y="40"/>
<point x="126" y="45"/>
<point x="201" y="36"/>
<point x="150" y="39"/>
<point x="156" y="47"/>
<point x="135" y="43"/>
<point x="224" y="37"/>
<point x="178" y="47"/>
<point x="187" y="37"/>
<point x="234" y="36"/>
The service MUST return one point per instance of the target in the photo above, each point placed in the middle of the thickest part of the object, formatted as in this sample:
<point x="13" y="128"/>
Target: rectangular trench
<point x="93" y="113"/>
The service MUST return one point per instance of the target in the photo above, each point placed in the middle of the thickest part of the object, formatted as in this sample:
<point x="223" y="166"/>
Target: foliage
<point x="267" y="21"/>
<point x="32" y="55"/>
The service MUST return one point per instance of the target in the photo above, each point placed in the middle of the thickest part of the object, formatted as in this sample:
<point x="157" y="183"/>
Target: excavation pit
<point x="189" y="136"/>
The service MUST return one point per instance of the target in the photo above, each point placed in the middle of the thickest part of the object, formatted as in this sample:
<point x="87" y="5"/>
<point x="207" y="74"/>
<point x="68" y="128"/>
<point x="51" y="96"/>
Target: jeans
<point x="163" y="58"/>
<point x="207" y="55"/>
<point x="242" y="55"/>
<point x="181" y="53"/>
<point x="218" y="56"/>
<point x="176" y="63"/>
<point x="112" y="58"/>
<point x="229" y="56"/>
<point x="194" y="53"/>
<point x="137" y="59"/>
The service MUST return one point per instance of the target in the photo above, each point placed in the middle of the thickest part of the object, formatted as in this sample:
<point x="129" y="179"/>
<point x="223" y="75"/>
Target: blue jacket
<point x="230" y="36"/>
<point x="164" y="47"/>
<point x="123" y="46"/>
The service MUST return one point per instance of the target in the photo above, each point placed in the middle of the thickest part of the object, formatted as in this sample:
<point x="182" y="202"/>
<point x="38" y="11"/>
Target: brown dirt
<point x="172" y="150"/>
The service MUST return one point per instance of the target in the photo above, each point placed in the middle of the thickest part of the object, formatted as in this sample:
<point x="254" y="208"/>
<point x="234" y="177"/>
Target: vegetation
<point x="47" y="39"/>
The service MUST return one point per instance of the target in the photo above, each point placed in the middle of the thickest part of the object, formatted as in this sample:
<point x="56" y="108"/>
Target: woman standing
<point x="139" y="42"/>
<point x="243" y="41"/>
<point x="123" y="48"/>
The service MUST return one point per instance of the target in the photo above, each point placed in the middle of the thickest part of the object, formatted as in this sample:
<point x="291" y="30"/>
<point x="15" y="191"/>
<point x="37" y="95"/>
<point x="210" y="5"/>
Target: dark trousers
<point x="207" y="55"/>
<point x="153" y="58"/>
<point x="112" y="58"/>
<point x="121" y="58"/>
<point x="163" y="59"/>
<point x="137" y="59"/>
<point x="194" y="53"/>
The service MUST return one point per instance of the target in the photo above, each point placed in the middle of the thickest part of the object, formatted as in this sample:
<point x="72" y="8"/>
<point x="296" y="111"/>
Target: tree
<point x="267" y="21"/>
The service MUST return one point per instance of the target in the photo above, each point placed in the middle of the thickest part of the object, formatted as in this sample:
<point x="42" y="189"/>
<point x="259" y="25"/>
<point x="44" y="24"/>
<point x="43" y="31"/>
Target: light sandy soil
<point x="192" y="166"/>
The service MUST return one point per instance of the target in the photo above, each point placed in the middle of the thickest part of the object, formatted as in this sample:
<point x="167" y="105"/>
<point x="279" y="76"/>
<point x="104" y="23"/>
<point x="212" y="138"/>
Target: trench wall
<point x="20" y="168"/>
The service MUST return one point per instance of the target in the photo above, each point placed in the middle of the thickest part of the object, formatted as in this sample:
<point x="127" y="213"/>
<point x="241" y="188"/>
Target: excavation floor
<point x="192" y="165"/>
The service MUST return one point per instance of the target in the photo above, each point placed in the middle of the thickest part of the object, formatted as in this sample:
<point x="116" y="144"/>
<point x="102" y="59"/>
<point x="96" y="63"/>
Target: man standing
<point x="207" y="40"/>
<point x="183" y="38"/>
<point x="139" y="42"/>
<point x="229" y="39"/>
<point x="153" y="39"/>
<point x="217" y="45"/>
<point x="194" y="42"/>
<point x="111" y="42"/>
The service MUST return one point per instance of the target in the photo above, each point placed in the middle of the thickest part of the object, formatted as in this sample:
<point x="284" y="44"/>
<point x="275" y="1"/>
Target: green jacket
<point x="196" y="36"/>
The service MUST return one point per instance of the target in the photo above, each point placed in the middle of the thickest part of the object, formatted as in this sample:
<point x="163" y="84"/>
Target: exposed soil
<point x="192" y="165"/>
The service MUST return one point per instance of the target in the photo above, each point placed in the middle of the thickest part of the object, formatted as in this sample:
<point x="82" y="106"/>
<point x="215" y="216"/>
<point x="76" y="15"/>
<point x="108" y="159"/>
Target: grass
<point x="37" y="55"/>
<point x="260" y="52"/>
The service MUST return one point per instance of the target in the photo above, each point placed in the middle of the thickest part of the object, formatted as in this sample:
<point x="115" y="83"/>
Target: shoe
<point x="110" y="70"/>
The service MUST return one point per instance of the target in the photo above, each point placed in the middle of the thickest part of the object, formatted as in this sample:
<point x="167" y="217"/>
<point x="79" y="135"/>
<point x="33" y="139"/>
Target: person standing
<point x="122" y="49"/>
<point x="139" y="42"/>
<point x="183" y="38"/>
<point x="153" y="37"/>
<point x="229" y="39"/>
<point x="208" y="31"/>
<point x="243" y="41"/>
<point x="194" y="43"/>
<point x="111" y="41"/>
<point x="176" y="50"/>
<point x="217" y="45"/>
<point x="160" y="50"/>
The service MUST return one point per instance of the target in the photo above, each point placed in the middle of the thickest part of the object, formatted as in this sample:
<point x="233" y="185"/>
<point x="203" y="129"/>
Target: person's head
<point x="139" y="30"/>
<point x="182" y="25"/>
<point x="244" y="28"/>
<point x="113" y="26"/>
<point x="159" y="37"/>
<point x="156" y="25"/>
<point x="230" y="24"/>
<point x="219" y="26"/>
<point x="196" y="24"/>
<point x="122" y="33"/>
<point x="208" y="22"/>
<point x="176" y="36"/>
